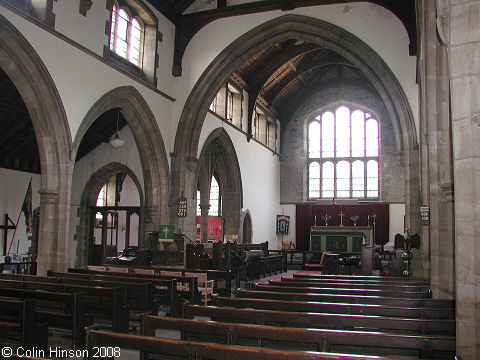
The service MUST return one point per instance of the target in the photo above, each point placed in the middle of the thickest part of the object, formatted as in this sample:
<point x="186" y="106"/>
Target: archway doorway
<point x="247" y="229"/>
<point x="219" y="189"/>
<point x="114" y="220"/>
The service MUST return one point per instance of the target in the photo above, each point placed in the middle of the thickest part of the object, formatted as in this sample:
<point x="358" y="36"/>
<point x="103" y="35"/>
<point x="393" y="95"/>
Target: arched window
<point x="126" y="35"/>
<point x="215" y="208"/>
<point x="215" y="199"/>
<point x="343" y="157"/>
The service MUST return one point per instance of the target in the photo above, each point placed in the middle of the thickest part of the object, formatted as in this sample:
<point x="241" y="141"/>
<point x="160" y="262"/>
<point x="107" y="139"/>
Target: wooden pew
<point x="319" y="289"/>
<point x="358" y="278"/>
<point x="285" y="281"/>
<point x="138" y="296"/>
<point x="448" y="305"/>
<point x="19" y="324"/>
<point x="103" y="302"/>
<point x="222" y="278"/>
<point x="163" y="291"/>
<point x="197" y="350"/>
<point x="337" y="308"/>
<point x="58" y="310"/>
<point x="323" y="320"/>
<point x="358" y="342"/>
<point x="191" y="293"/>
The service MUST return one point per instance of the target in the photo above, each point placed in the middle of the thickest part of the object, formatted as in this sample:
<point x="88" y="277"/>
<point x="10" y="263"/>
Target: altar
<point x="340" y="239"/>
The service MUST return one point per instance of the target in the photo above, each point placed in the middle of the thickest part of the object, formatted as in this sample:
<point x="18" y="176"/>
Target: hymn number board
<point x="182" y="207"/>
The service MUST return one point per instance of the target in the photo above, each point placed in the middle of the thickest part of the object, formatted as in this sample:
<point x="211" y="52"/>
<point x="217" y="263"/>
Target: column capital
<point x="49" y="196"/>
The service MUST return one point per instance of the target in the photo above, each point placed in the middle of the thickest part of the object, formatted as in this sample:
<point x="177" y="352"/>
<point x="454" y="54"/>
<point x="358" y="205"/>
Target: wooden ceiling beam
<point x="189" y="24"/>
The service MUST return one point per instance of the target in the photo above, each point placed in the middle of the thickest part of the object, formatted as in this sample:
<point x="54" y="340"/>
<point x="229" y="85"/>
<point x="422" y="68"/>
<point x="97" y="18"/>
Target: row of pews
<point x="68" y="302"/>
<point x="329" y="317"/>
<point x="303" y="317"/>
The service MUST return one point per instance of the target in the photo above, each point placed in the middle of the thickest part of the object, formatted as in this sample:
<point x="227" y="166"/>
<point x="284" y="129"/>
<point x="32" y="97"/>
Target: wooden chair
<point x="205" y="286"/>
<point x="118" y="269"/>
<point x="96" y="268"/>
<point x="144" y="271"/>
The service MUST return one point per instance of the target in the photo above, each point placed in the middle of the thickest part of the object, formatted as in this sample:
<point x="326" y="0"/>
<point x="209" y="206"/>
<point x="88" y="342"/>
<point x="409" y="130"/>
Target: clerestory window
<point x="126" y="35"/>
<point x="133" y="39"/>
<point x="343" y="155"/>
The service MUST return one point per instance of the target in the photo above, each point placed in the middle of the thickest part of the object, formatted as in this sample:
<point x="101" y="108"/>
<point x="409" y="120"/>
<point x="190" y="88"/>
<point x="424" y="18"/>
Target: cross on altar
<point x="166" y="230"/>
<point x="341" y="214"/>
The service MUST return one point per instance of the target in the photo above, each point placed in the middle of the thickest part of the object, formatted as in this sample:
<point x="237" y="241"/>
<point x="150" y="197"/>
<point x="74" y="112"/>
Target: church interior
<point x="264" y="178"/>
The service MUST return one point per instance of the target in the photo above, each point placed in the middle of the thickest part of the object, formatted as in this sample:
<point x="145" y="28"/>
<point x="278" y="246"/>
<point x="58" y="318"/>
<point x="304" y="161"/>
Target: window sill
<point x="125" y="65"/>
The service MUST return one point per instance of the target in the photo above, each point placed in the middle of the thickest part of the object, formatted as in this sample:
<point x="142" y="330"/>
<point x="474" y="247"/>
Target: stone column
<point x="48" y="231"/>
<point x="460" y="23"/>
<point x="183" y="180"/>
<point x="436" y="155"/>
<point x="204" y="221"/>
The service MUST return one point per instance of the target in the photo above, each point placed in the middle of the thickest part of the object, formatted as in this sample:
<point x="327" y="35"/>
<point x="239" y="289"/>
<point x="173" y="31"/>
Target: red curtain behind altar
<point x="305" y="219"/>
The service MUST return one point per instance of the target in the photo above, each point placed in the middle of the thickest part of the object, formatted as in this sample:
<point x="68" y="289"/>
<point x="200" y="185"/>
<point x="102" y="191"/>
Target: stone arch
<point x="149" y="141"/>
<point x="329" y="36"/>
<point x="246" y="235"/>
<point x="218" y="155"/>
<point x="89" y="197"/>
<point x="24" y="67"/>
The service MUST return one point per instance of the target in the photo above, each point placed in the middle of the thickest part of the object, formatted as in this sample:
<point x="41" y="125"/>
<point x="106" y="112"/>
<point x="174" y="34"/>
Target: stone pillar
<point x="204" y="222"/>
<point x="183" y="180"/>
<point x="460" y="23"/>
<point x="436" y="154"/>
<point x="48" y="231"/>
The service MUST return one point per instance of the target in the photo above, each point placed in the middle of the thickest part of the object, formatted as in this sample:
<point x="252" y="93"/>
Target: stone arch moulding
<point x="24" y="67"/>
<point x="303" y="28"/>
<point x="230" y="178"/>
<point x="89" y="197"/>
<point x="318" y="32"/>
<point x="149" y="141"/>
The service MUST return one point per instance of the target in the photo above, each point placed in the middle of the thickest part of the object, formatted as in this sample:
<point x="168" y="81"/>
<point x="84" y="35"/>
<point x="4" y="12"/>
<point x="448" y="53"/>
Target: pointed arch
<point x="303" y="28"/>
<point x="326" y="35"/>
<point x="218" y="155"/>
<point x="88" y="199"/>
<point x="149" y="141"/>
<point x="246" y="235"/>
<point x="24" y="67"/>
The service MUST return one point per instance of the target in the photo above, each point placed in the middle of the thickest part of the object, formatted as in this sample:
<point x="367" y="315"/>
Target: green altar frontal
<point x="340" y="239"/>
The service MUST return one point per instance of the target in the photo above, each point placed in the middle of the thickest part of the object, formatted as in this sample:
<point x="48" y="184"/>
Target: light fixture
<point x="116" y="142"/>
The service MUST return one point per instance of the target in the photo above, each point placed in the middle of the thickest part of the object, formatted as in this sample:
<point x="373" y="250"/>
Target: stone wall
<point x="293" y="173"/>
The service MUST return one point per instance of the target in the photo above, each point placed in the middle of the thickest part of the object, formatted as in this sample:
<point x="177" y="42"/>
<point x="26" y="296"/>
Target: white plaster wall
<point x="260" y="171"/>
<point x="373" y="24"/>
<point x="81" y="79"/>
<point x="289" y="210"/>
<point x="13" y="187"/>
<point x="129" y="195"/>
<point x="85" y="30"/>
